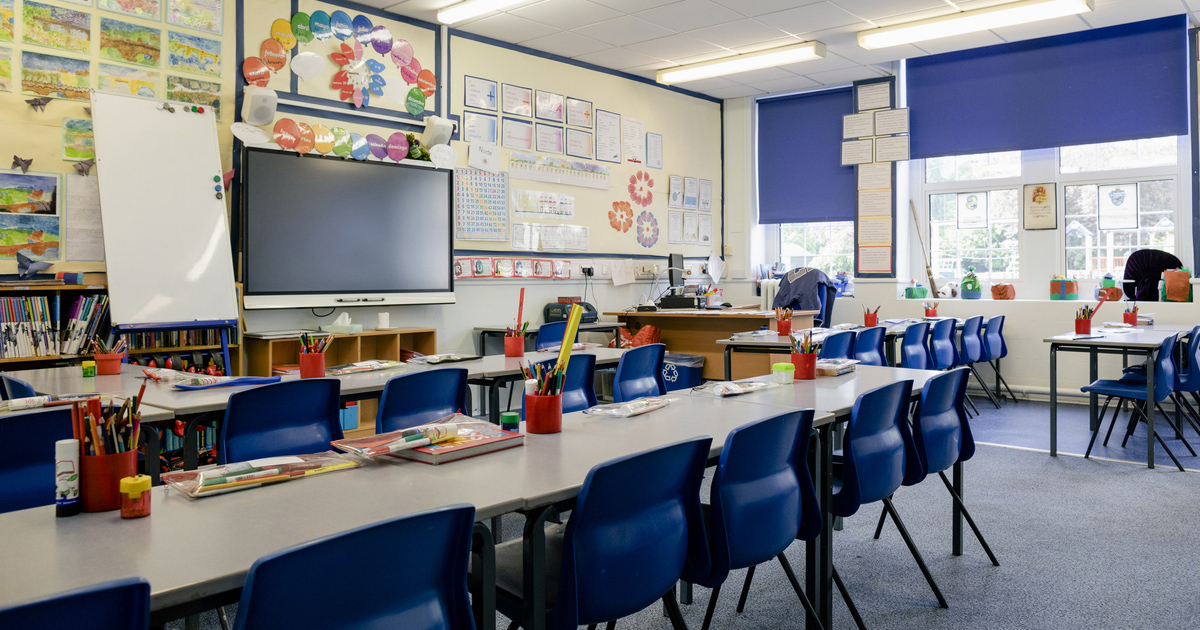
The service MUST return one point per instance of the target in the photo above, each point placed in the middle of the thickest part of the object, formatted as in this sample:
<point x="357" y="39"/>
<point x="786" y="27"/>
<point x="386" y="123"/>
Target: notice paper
<point x="874" y="176"/>
<point x="544" y="205"/>
<point x="485" y="157"/>
<point x="674" y="227"/>
<point x="691" y="193"/>
<point x="857" y="152"/>
<point x="875" y="230"/>
<point x="858" y="126"/>
<point x="608" y="136"/>
<point x="892" y="121"/>
<point x="716" y="267"/>
<point x="564" y="237"/>
<point x="874" y="96"/>
<point x="691" y="228"/>
<point x="634" y="140"/>
<point x="706" y="229"/>
<point x="877" y="203"/>
<point x="654" y="150"/>
<point x="85" y="234"/>
<point x="525" y="236"/>
<point x="891" y="149"/>
<point x="706" y="194"/>
<point x="622" y="272"/>
<point x="875" y="259"/>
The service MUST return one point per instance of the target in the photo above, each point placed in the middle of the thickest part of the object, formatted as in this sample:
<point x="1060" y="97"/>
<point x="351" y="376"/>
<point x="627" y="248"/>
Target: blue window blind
<point x="1117" y="83"/>
<point x="800" y="177"/>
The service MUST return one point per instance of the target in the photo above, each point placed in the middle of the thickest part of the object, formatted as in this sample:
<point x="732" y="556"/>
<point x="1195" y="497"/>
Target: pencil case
<point x="203" y="382"/>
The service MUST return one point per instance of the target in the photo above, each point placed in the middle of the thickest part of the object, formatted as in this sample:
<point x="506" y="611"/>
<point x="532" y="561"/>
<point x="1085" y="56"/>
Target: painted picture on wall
<point x="147" y="9"/>
<point x="190" y="90"/>
<point x="35" y="236"/>
<point x="192" y="53"/>
<point x="64" y="29"/>
<point x="28" y="193"/>
<point x="131" y="43"/>
<point x="8" y="12"/>
<point x="123" y="80"/>
<point x="52" y="75"/>
<point x="78" y="140"/>
<point x="202" y="15"/>
<point x="5" y="69"/>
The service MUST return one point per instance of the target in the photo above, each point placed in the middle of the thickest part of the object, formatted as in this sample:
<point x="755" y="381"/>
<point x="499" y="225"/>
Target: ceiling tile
<point x="793" y="84"/>
<point x="902" y="18"/>
<point x="959" y="42"/>
<point x="1044" y="28"/>
<point x="1131" y="11"/>
<point x="650" y="70"/>
<point x="873" y="9"/>
<point x="566" y="44"/>
<point x="760" y="75"/>
<point x="751" y="8"/>
<point x="674" y="47"/>
<point x="509" y="28"/>
<point x="832" y="61"/>
<point x="846" y="75"/>
<point x="420" y="9"/>
<point x="735" y="92"/>
<point x="620" y="59"/>
<point x="633" y="6"/>
<point x="566" y="14"/>
<point x="704" y="85"/>
<point x="689" y="14"/>
<point x="774" y="43"/>
<point x="738" y="33"/>
<point x="809" y="18"/>
<point x="708" y="56"/>
<point x="861" y="55"/>
<point x="378" y="4"/>
<point x="623" y="30"/>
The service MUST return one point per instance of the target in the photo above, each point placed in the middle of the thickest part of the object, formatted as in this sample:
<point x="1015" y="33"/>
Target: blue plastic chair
<point x="15" y="388"/>
<point x="1134" y="389"/>
<point x="878" y="456"/>
<point x="579" y="386"/>
<point x="287" y="418"/>
<point x="942" y="436"/>
<point x="411" y="400"/>
<point x="551" y="335"/>
<point x="620" y="551"/>
<point x="27" y="456"/>
<point x="294" y="588"/>
<point x="1187" y="380"/>
<point x="913" y="352"/>
<point x="838" y="345"/>
<point x="995" y="348"/>
<point x="971" y="351"/>
<point x="868" y="346"/>
<point x="941" y="345"/>
<point x="639" y="373"/>
<point x="116" y="605"/>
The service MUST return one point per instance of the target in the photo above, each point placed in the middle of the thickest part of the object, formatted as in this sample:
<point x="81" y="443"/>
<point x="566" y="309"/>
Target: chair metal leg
<point x="987" y="391"/>
<point x="1112" y="423"/>
<point x="1095" y="432"/>
<point x="611" y="625"/>
<point x="1133" y="420"/>
<point x="1158" y="436"/>
<point x="808" y="607"/>
<point x="858" y="621"/>
<point x="676" y="615"/>
<point x="745" y="590"/>
<point x="970" y="521"/>
<point x="712" y="606"/>
<point x="1190" y="413"/>
<point x="996" y="366"/>
<point x="882" y="520"/>
<point x="222" y="618"/>
<point x="514" y="625"/>
<point x="916" y="554"/>
<point x="973" y="407"/>
<point x="1172" y="424"/>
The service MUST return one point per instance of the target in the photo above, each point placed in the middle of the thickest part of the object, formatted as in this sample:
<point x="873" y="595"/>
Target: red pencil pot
<point x="109" y="364"/>
<point x="806" y="365"/>
<point x="1083" y="326"/>
<point x="543" y="414"/>
<point x="931" y="312"/>
<point x="312" y="365"/>
<point x="783" y="327"/>
<point x="1130" y="318"/>
<point x="870" y="319"/>
<point x="100" y="479"/>
<point x="514" y="347"/>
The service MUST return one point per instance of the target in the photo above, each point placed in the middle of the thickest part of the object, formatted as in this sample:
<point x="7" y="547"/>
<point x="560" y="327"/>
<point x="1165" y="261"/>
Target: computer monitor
<point x="675" y="270"/>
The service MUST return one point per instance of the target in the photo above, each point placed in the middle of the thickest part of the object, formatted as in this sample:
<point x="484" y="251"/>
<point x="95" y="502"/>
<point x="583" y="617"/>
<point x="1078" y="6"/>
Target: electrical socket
<point x="604" y="269"/>
<point x="587" y="271"/>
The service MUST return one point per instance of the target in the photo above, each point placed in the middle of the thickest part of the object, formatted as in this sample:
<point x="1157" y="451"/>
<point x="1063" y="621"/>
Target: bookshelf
<point x="261" y="354"/>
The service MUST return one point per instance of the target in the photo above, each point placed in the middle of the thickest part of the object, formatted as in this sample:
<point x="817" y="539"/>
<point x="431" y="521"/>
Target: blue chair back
<point x="551" y="334"/>
<point x="838" y="345"/>
<point x="755" y="493"/>
<point x="27" y="456"/>
<point x="971" y="342"/>
<point x="411" y="400"/>
<point x="623" y="549"/>
<point x="993" y="338"/>
<point x="913" y="353"/>
<point x="1164" y="369"/>
<point x="116" y="605"/>
<point x="878" y="454"/>
<point x="1189" y="380"/>
<point x="941" y="345"/>
<point x="579" y="386"/>
<point x="639" y="373"/>
<point x="293" y="588"/>
<point x="868" y="346"/>
<point x="940" y="430"/>
<point x="16" y="388"/>
<point x="287" y="418"/>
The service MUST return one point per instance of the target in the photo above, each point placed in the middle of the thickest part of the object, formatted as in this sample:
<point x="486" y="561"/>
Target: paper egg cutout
<point x="415" y="103"/>
<point x="427" y="82"/>
<point x="339" y="21"/>
<point x="274" y="54"/>
<point x="281" y="31"/>
<point x="256" y="72"/>
<point x="302" y="28"/>
<point x="409" y="73"/>
<point x="322" y="138"/>
<point x="318" y="22"/>
<point x="397" y="146"/>
<point x="341" y="141"/>
<point x="381" y="40"/>
<point x="362" y="29"/>
<point x="402" y="53"/>
<point x="287" y="133"/>
<point x="359" y="149"/>
<point x="307" y="139"/>
<point x="378" y="145"/>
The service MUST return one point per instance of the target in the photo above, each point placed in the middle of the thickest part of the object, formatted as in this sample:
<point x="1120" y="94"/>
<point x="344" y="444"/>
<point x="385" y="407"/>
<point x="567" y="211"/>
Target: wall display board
<point x="875" y="137"/>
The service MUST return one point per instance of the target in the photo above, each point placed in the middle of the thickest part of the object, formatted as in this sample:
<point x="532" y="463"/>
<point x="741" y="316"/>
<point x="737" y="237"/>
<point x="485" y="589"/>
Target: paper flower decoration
<point x="647" y="229"/>
<point x="621" y="216"/>
<point x="639" y="188"/>
<point x="359" y="78"/>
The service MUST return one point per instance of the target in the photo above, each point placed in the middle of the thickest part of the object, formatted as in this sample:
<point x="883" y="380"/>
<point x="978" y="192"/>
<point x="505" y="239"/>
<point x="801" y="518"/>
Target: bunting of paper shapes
<point x="228" y="177"/>
<point x="27" y="268"/>
<point x="39" y="104"/>
<point x="22" y="164"/>
<point x="84" y="167"/>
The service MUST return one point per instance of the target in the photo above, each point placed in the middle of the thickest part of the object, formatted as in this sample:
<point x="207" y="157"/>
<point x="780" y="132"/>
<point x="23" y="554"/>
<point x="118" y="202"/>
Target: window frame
<point x="780" y="257"/>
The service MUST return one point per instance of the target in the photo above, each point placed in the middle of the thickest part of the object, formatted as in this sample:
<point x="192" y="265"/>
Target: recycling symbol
<point x="670" y="374"/>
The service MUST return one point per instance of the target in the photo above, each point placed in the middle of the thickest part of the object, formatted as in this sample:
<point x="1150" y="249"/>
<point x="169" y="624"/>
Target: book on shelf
<point x="87" y="315"/>
<point x="29" y="326"/>
<point x="283" y="369"/>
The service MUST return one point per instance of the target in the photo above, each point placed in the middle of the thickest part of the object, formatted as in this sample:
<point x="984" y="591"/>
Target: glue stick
<point x="66" y="478"/>
<point x="531" y="387"/>
<point x="510" y="421"/>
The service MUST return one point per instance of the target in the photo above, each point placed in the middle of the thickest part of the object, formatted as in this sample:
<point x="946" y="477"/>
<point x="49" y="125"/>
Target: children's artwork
<point x="481" y="267"/>
<point x="621" y="216"/>
<point x="675" y="191"/>
<point x="515" y="100"/>
<point x="8" y="14"/>
<point x="549" y="106"/>
<point x="579" y="112"/>
<point x="647" y="229"/>
<point x="78" y="141"/>
<point x="640" y="185"/>
<point x="5" y="69"/>
<point x="192" y="53"/>
<point x="195" y="91"/>
<point x="480" y="205"/>
<point x="504" y="267"/>
<point x="549" y="139"/>
<point x="27" y="193"/>
<point x="479" y="93"/>
<point x="462" y="268"/>
<point x="146" y="9"/>
<point x="124" y="80"/>
<point x="36" y="236"/>
<point x="517" y="134"/>
<point x="65" y="29"/>
<point x="562" y="270"/>
<point x="51" y="75"/>
<point x="202" y="15"/>
<point x="128" y="42"/>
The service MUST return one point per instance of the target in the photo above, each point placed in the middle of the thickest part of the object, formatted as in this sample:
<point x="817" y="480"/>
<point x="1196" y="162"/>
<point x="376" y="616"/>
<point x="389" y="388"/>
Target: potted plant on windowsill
<point x="971" y="289"/>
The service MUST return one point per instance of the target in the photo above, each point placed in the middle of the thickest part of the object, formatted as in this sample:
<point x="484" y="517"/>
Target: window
<point x="1114" y="156"/>
<point x="962" y="168"/>
<point x="975" y="229"/>
<point x="1106" y="222"/>
<point x="825" y="246"/>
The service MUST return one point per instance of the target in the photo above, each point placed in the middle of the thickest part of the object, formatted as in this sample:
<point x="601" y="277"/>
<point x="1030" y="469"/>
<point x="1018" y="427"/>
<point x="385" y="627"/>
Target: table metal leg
<point x="956" y="513"/>
<point x="533" y="569"/>
<point x="818" y="561"/>
<point x="1053" y="400"/>
<point x="484" y="603"/>
<point x="889" y="350"/>
<point x="1150" y="413"/>
<point x="728" y="363"/>
<point x="1093" y="398"/>
<point x="152" y="453"/>
<point x="494" y="401"/>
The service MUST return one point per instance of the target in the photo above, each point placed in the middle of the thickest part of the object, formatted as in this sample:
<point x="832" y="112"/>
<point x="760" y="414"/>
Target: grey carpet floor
<point x="1082" y="544"/>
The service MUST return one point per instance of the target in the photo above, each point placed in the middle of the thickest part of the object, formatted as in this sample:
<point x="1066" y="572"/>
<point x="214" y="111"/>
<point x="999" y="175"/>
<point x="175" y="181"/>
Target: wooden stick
<point x="924" y="255"/>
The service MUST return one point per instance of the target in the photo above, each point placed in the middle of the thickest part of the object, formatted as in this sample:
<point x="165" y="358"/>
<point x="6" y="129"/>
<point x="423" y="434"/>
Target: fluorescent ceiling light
<point x="742" y="63"/>
<point x="971" y="22"/>
<point x="471" y="8"/>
